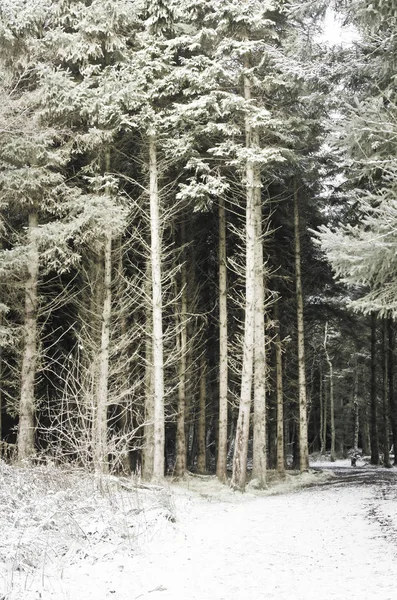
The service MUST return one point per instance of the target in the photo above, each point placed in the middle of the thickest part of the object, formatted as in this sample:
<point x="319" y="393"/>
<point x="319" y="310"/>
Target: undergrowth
<point x="51" y="518"/>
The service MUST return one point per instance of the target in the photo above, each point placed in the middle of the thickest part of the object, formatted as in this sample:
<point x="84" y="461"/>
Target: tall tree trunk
<point x="356" y="417"/>
<point x="279" y="393"/>
<point x="331" y="394"/>
<point x="392" y="399"/>
<point x="180" y="464"/>
<point x="26" y="430"/>
<point x="332" y="410"/>
<point x="374" y="399"/>
<point x="321" y="396"/>
<point x="100" y="446"/>
<point x="157" y="314"/>
<point x="260" y="367"/>
<point x="148" y="428"/>
<point x="95" y="289"/>
<point x="271" y="431"/>
<point x="1" y="394"/>
<point x="201" y="434"/>
<point x="385" y="420"/>
<point x="303" y="439"/>
<point x="365" y="433"/>
<point x="192" y="375"/>
<point x="341" y="437"/>
<point x="325" y="420"/>
<point x="125" y="417"/>
<point x="100" y="420"/>
<point x="239" y="473"/>
<point x="221" y="465"/>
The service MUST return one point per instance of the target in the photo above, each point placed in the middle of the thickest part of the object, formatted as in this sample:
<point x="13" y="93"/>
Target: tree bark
<point x="180" y="464"/>
<point x="385" y="420"/>
<point x="356" y="417"/>
<point x="26" y="430"/>
<point x="1" y="394"/>
<point x="148" y="428"/>
<point x="192" y="377"/>
<point x="239" y="473"/>
<point x="374" y="399"/>
<point x="321" y="397"/>
<point x="279" y="393"/>
<point x="303" y="439"/>
<point x="100" y="446"/>
<point x="124" y="421"/>
<point x="221" y="465"/>
<point x="201" y="425"/>
<point x="331" y="394"/>
<point x="392" y="399"/>
<point x="332" y="410"/>
<point x="157" y="314"/>
<point x="260" y="367"/>
<point x="325" y="419"/>
<point x="365" y="433"/>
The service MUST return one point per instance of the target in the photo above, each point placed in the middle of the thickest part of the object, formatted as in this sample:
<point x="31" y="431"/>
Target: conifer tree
<point x="63" y="216"/>
<point x="35" y="195"/>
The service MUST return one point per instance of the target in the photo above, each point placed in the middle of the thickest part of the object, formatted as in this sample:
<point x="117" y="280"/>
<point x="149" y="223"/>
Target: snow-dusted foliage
<point x="364" y="255"/>
<point x="362" y="250"/>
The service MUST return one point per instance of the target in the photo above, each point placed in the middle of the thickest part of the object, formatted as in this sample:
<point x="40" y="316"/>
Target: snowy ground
<point x="198" y="540"/>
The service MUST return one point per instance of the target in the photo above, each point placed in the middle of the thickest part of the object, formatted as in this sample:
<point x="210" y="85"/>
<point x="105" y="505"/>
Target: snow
<point x="198" y="540"/>
<point x="335" y="32"/>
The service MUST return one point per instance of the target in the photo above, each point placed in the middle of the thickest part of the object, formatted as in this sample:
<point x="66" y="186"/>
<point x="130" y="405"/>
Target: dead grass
<point x="211" y="489"/>
<point x="52" y="517"/>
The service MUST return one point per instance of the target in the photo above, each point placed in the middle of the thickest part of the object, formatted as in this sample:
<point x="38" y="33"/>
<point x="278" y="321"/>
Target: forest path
<point x="382" y="497"/>
<point x="331" y="542"/>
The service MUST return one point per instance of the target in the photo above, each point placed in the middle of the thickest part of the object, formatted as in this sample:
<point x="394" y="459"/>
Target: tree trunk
<point x="26" y="430"/>
<point x="365" y="434"/>
<point x="100" y="446"/>
<point x="271" y="431"/>
<point x="96" y="290"/>
<point x="331" y="394"/>
<point x="392" y="399"/>
<point x="374" y="399"/>
<point x="303" y="439"/>
<point x="180" y="464"/>
<point x="321" y="397"/>
<point x="356" y="418"/>
<point x="157" y="315"/>
<point x="279" y="393"/>
<point x="260" y="367"/>
<point x="221" y="465"/>
<point x="341" y="437"/>
<point x="1" y="384"/>
<point x="148" y="428"/>
<point x="201" y="435"/>
<point x="325" y="420"/>
<point x="332" y="411"/>
<point x="124" y="421"/>
<point x="239" y="473"/>
<point x="385" y="421"/>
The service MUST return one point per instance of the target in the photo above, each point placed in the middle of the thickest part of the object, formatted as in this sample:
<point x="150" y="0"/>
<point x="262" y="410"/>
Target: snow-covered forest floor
<point x="323" y="536"/>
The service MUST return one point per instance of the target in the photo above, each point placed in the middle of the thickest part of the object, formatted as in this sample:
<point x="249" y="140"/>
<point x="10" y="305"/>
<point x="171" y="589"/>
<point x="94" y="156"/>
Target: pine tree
<point x="34" y="193"/>
<point x="360" y="251"/>
<point x="64" y="215"/>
